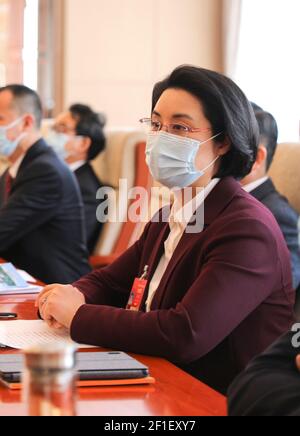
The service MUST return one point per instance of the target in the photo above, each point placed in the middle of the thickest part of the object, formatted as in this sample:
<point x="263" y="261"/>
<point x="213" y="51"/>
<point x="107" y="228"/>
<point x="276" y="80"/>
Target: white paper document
<point x="24" y="334"/>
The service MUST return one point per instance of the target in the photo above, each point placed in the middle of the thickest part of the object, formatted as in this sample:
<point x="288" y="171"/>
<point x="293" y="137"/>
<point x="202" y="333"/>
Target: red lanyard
<point x="137" y="292"/>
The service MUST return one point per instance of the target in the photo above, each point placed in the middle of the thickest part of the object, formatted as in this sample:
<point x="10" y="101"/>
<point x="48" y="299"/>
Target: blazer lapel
<point x="263" y="190"/>
<point x="158" y="249"/>
<point x="215" y="203"/>
<point x="36" y="150"/>
<point x="2" y="188"/>
<point x="155" y="257"/>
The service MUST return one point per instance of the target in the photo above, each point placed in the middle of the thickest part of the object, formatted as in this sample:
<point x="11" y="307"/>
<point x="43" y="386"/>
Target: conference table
<point x="175" y="392"/>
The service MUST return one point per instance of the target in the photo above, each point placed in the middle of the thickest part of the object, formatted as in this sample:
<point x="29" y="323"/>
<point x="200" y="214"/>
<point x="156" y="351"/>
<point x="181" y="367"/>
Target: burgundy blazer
<point x="225" y="297"/>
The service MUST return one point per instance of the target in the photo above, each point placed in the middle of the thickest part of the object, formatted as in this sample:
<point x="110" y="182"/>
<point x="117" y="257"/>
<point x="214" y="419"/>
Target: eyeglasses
<point x="173" y="128"/>
<point x="59" y="128"/>
<point x="72" y="136"/>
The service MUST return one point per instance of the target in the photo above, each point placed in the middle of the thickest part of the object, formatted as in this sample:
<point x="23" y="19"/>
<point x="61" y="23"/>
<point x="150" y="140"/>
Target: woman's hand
<point x="58" y="305"/>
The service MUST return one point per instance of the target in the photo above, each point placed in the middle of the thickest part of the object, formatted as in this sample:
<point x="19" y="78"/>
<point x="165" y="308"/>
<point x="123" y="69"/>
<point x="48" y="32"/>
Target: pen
<point x="8" y="316"/>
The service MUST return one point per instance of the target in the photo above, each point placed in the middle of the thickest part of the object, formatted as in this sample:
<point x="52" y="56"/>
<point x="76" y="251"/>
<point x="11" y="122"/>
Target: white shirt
<point x="251" y="186"/>
<point x="178" y="221"/>
<point x="76" y="165"/>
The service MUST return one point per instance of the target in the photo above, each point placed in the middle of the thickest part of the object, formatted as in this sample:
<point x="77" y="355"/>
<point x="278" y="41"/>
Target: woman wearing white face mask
<point x="208" y="300"/>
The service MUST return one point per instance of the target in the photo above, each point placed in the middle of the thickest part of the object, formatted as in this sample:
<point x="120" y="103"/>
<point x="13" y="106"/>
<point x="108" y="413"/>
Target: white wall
<point x="117" y="49"/>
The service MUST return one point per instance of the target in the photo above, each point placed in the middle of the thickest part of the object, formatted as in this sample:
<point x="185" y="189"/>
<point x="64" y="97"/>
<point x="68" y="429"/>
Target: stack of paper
<point x="24" y="334"/>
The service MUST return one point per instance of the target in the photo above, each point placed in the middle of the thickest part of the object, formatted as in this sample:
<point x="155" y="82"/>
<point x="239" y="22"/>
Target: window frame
<point x="51" y="48"/>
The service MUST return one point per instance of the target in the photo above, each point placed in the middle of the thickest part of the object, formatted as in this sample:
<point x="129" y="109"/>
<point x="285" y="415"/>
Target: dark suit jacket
<point x="42" y="224"/>
<point x="225" y="297"/>
<point x="271" y="384"/>
<point x="89" y="185"/>
<point x="287" y="219"/>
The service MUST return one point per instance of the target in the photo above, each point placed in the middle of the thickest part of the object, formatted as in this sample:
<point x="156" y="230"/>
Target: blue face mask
<point x="58" y="142"/>
<point x="8" y="147"/>
<point x="172" y="159"/>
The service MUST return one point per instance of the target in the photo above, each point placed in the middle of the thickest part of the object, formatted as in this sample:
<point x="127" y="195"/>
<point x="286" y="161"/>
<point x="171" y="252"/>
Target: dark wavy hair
<point x="227" y="109"/>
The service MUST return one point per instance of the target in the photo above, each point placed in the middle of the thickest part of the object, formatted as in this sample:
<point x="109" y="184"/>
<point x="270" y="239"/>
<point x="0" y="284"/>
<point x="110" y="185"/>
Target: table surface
<point x="175" y="393"/>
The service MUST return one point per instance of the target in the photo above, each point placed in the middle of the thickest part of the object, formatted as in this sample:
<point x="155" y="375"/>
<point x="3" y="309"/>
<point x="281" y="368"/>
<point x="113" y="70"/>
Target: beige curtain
<point x="11" y="41"/>
<point x="51" y="55"/>
<point x="11" y="46"/>
<point x="232" y="14"/>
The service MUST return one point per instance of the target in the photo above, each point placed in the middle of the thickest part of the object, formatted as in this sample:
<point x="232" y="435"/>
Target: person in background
<point x="211" y="296"/>
<point x="41" y="211"/>
<point x="77" y="137"/>
<point x="260" y="185"/>
<point x="270" y="386"/>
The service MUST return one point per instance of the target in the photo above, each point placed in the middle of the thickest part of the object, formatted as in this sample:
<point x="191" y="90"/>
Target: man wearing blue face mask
<point x="77" y="137"/>
<point x="41" y="212"/>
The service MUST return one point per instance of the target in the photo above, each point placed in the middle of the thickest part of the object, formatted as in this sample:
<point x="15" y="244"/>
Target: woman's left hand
<point x="60" y="305"/>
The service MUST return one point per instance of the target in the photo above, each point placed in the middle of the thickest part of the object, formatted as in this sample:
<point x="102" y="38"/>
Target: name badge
<point x="137" y="292"/>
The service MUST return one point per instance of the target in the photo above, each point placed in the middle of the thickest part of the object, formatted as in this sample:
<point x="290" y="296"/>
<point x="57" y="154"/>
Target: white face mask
<point x="58" y="142"/>
<point x="172" y="159"/>
<point x="8" y="147"/>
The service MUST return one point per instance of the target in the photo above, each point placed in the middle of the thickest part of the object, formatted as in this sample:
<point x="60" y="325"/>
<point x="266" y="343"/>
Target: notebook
<point x="14" y="282"/>
<point x="93" y="368"/>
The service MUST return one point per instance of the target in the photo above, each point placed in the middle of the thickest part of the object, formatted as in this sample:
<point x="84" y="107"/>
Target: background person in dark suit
<point x="270" y="386"/>
<point x="262" y="188"/>
<point x="77" y="137"/>
<point x="217" y="296"/>
<point x="41" y="212"/>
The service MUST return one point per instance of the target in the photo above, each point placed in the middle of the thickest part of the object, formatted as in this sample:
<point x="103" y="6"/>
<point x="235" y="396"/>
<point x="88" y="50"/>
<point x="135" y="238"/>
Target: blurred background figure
<point x="77" y="137"/>
<point x="41" y="212"/>
<point x="261" y="186"/>
<point x="270" y="385"/>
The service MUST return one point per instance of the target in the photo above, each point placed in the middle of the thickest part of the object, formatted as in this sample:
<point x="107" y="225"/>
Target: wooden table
<point x="174" y="394"/>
